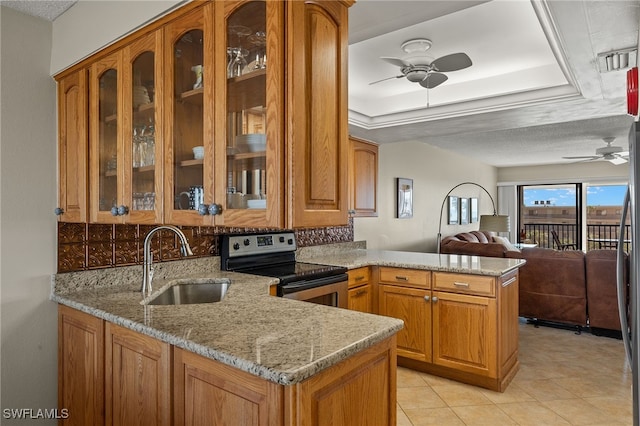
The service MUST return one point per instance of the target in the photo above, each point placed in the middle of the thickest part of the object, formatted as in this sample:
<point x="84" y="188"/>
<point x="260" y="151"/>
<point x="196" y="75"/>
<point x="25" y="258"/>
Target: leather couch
<point x="566" y="287"/>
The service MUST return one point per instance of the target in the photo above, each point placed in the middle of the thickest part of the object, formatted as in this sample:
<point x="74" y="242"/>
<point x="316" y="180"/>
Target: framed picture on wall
<point x="464" y="211"/>
<point x="474" y="210"/>
<point x="404" y="193"/>
<point x="454" y="214"/>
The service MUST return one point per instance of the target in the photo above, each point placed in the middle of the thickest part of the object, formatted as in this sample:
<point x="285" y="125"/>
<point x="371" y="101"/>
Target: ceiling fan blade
<point x="396" y="61"/>
<point x="453" y="62"/>
<point x="433" y="79"/>
<point x="584" y="157"/>
<point x="385" y="79"/>
<point x="617" y="160"/>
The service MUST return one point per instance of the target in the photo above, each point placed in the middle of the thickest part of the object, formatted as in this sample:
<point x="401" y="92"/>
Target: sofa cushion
<point x="454" y="246"/>
<point x="506" y="243"/>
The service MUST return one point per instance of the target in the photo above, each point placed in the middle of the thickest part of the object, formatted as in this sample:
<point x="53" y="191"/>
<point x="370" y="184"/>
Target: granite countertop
<point x="281" y="340"/>
<point x="357" y="257"/>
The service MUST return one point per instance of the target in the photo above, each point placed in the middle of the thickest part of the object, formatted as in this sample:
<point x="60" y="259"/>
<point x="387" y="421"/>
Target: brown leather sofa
<point x="565" y="287"/>
<point x="602" y="294"/>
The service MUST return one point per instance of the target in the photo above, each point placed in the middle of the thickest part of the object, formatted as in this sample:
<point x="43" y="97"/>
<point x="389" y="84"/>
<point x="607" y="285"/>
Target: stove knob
<point x="236" y="246"/>
<point x="290" y="241"/>
<point x="281" y="239"/>
<point x="247" y="242"/>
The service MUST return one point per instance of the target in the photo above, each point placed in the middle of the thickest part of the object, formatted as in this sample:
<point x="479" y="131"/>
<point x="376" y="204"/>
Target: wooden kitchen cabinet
<point x="80" y="367"/>
<point x="73" y="147"/>
<point x="123" y="117"/>
<point x="219" y="76"/>
<point x="317" y="113"/>
<point x="363" y="178"/>
<point x="138" y="380"/>
<point x="209" y="392"/>
<point x="406" y="295"/>
<point x="360" y="290"/>
<point x="464" y="327"/>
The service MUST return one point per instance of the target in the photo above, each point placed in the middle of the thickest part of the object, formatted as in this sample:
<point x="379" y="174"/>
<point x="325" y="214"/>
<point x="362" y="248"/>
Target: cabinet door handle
<point x="399" y="278"/>
<point x="360" y="293"/>
<point x="360" y="278"/>
<point x="427" y="298"/>
<point x="459" y="284"/>
<point x="435" y="299"/>
<point x="215" y="209"/>
<point x="58" y="211"/>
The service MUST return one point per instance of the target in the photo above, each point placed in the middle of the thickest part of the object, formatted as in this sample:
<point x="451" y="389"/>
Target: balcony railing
<point x="598" y="236"/>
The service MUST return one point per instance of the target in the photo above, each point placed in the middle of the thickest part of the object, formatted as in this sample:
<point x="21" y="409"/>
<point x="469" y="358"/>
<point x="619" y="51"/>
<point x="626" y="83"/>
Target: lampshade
<point x="494" y="223"/>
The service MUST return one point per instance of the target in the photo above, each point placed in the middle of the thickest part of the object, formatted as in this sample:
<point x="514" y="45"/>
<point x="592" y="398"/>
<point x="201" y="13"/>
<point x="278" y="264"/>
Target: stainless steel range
<point x="273" y="255"/>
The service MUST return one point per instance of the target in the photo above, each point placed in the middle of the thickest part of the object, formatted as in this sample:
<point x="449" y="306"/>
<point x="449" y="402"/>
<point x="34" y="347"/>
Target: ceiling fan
<point x="611" y="153"/>
<point x="418" y="67"/>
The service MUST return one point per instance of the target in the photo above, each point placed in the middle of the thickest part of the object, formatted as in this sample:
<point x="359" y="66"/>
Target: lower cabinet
<point x="115" y="376"/>
<point x="80" y="367"/>
<point x="360" y="290"/>
<point x="207" y="392"/>
<point x="138" y="379"/>
<point x="463" y="327"/>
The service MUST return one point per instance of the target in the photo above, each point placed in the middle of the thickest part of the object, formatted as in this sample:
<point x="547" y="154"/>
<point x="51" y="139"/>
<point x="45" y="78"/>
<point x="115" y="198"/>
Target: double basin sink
<point x="191" y="291"/>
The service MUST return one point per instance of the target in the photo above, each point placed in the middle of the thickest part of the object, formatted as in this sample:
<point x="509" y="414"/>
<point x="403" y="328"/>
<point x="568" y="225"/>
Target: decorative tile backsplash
<point x="83" y="246"/>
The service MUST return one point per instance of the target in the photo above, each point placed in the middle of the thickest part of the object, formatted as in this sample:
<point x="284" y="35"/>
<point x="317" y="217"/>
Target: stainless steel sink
<point x="189" y="292"/>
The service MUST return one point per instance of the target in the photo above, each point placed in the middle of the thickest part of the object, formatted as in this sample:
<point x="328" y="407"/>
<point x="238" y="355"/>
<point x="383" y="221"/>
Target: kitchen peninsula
<point x="270" y="357"/>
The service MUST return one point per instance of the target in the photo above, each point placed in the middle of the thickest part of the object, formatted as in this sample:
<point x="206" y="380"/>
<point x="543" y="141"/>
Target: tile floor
<point x="564" y="379"/>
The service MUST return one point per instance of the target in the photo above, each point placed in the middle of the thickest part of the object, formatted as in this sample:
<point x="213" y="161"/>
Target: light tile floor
<point x="564" y="379"/>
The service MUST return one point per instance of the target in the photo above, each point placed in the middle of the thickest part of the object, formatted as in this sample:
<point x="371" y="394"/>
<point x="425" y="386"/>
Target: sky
<point x="604" y="195"/>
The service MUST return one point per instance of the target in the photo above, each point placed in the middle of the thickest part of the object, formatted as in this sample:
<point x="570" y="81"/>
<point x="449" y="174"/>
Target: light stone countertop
<point x="281" y="340"/>
<point x="355" y="258"/>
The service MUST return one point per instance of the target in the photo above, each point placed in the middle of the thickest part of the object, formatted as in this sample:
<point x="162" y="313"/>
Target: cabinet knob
<point x="426" y="298"/>
<point x="215" y="209"/>
<point x="58" y="211"/>
<point x="114" y="211"/>
<point x="435" y="299"/>
<point x="203" y="209"/>
<point x="122" y="210"/>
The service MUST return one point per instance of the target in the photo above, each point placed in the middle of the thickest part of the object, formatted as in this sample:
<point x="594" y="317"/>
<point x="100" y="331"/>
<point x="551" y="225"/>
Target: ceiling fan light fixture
<point x="416" y="45"/>
<point x="416" y="76"/>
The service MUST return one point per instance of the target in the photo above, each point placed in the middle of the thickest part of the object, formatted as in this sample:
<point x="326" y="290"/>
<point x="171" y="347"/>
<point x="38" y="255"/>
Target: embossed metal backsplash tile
<point x="84" y="246"/>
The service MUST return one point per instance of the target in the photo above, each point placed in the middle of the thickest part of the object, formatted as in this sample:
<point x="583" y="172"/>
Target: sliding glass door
<point x="550" y="215"/>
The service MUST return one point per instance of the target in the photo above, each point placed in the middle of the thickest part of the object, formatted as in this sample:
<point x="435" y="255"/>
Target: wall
<point x="90" y="25"/>
<point x="595" y="171"/>
<point x="27" y="223"/>
<point x="434" y="173"/>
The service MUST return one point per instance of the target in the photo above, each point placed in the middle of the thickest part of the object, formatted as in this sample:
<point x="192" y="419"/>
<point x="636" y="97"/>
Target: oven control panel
<point x="252" y="244"/>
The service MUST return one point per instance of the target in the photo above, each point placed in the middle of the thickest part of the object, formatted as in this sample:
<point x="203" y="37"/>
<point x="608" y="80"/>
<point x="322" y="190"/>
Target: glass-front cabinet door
<point x="105" y="133"/>
<point x="248" y="131"/>
<point x="142" y="153"/>
<point x="189" y="155"/>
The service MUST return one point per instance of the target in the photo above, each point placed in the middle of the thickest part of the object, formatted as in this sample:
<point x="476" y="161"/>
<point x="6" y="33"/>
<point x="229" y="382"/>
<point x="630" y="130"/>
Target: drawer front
<point x="359" y="276"/>
<point x="462" y="283"/>
<point x="406" y="277"/>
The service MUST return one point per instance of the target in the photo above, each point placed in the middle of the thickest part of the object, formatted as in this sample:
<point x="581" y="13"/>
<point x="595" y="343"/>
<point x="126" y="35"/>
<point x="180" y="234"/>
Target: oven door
<point x="330" y="291"/>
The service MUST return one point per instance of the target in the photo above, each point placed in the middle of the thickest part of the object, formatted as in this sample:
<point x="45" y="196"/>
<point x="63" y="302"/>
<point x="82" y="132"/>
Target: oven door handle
<point x="313" y="283"/>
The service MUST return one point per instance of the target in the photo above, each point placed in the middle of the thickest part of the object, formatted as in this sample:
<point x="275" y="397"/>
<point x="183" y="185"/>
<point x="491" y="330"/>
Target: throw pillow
<point x="505" y="243"/>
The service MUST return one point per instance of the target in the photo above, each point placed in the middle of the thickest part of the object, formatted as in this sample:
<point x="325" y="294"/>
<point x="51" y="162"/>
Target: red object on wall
<point x="632" y="91"/>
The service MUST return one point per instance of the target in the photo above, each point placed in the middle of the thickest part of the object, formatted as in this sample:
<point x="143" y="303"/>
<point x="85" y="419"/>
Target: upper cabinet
<point x="249" y="112"/>
<point x="363" y="184"/>
<point x="230" y="113"/>
<point x="189" y="154"/>
<point x="317" y="113"/>
<point x="124" y="143"/>
<point x="73" y="147"/>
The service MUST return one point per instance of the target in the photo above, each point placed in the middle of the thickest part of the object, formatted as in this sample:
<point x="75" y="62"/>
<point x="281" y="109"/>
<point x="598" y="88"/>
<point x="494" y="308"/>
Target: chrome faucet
<point x="147" y="271"/>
